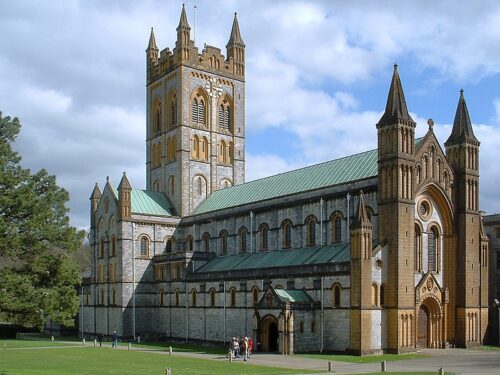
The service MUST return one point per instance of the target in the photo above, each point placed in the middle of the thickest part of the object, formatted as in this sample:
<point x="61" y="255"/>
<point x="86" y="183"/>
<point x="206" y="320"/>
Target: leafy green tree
<point x="37" y="275"/>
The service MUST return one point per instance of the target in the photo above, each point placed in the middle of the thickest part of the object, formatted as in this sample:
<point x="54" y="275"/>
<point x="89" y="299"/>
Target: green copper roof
<point x="150" y="203"/>
<point x="279" y="258"/>
<point x="293" y="295"/>
<point x="334" y="172"/>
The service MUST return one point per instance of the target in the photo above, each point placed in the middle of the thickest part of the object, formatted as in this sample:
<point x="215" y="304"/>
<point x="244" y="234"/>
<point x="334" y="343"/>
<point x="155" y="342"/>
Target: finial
<point x="430" y="122"/>
<point x="107" y="178"/>
<point x="395" y="66"/>
<point x="124" y="173"/>
<point x="461" y="92"/>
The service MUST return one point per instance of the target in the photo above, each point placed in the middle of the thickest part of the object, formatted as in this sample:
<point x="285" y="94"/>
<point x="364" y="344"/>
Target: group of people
<point x="241" y="347"/>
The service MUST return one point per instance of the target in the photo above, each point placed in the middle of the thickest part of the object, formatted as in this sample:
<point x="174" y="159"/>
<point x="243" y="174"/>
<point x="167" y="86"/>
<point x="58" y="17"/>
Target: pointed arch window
<point x="311" y="231"/>
<point x="287" y="234"/>
<point x="418" y="248"/>
<point x="169" y="245"/>
<point x="223" y="242"/>
<point x="232" y="297"/>
<point x="224" y="115"/>
<point x="432" y="238"/>
<point x="173" y="111"/>
<point x="162" y="297"/>
<point x="193" y="297"/>
<point x="255" y="295"/>
<point x="206" y="242"/>
<point x="212" y="297"/>
<point x="157" y="119"/>
<point x="264" y="237"/>
<point x="336" y="295"/>
<point x="198" y="112"/>
<point x="176" y="297"/>
<point x="243" y="240"/>
<point x="113" y="246"/>
<point x="189" y="242"/>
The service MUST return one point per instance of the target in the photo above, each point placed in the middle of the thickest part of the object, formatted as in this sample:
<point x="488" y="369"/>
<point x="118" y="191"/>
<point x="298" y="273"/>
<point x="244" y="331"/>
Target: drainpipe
<point x="348" y="219"/>
<point x="224" y="315"/>
<point x="187" y="311"/>
<point x="251" y="232"/>
<point x="133" y="280"/>
<point x="321" y="222"/>
<point x="322" y="315"/>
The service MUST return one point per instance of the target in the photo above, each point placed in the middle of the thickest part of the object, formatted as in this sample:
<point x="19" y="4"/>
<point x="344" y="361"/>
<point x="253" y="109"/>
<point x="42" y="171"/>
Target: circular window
<point x="424" y="209"/>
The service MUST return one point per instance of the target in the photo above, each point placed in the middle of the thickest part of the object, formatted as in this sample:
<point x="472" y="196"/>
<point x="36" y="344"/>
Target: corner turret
<point x="125" y="198"/>
<point x="236" y="49"/>
<point x="95" y="197"/>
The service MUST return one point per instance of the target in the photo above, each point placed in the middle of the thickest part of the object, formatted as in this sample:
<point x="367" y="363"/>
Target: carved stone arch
<point x="199" y="189"/>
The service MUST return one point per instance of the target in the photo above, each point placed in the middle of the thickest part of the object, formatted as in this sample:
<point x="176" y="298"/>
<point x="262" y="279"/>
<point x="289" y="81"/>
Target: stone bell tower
<point x="396" y="148"/>
<point x="195" y="140"/>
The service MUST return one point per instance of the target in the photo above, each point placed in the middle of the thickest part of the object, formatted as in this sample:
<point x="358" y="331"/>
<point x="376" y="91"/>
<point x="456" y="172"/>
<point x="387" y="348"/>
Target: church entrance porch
<point x="269" y="334"/>
<point x="430" y="325"/>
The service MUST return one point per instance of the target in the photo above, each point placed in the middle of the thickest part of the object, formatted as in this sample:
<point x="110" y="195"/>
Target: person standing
<point x="99" y="338"/>
<point x="245" y="348"/>
<point x="114" y="343"/>
<point x="250" y="346"/>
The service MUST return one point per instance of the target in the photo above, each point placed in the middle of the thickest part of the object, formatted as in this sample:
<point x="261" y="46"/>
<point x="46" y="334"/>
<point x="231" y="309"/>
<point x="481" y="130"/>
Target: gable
<point x="431" y="165"/>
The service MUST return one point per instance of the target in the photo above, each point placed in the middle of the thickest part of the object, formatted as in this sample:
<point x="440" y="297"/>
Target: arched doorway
<point x="270" y="335"/>
<point x="423" y="327"/>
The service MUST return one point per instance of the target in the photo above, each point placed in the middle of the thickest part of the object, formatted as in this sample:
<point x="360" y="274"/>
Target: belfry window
<point x="198" y="111"/>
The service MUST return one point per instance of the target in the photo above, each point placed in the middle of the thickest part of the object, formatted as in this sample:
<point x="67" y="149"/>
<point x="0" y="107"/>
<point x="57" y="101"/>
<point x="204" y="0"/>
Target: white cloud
<point x="74" y="72"/>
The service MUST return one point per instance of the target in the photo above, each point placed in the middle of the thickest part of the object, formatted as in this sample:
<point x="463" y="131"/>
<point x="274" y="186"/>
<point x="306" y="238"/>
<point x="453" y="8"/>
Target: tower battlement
<point x="186" y="53"/>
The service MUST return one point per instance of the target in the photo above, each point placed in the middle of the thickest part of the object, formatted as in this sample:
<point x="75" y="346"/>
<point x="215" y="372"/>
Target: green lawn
<point x="364" y="359"/>
<point x="104" y="361"/>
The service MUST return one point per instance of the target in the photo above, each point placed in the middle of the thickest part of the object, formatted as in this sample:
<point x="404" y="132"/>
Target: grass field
<point x="79" y="360"/>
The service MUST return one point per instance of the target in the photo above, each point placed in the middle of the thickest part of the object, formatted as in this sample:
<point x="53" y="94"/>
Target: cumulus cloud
<point x="317" y="79"/>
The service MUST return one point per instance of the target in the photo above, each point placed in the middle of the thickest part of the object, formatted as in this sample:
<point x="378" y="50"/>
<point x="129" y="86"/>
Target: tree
<point x="38" y="278"/>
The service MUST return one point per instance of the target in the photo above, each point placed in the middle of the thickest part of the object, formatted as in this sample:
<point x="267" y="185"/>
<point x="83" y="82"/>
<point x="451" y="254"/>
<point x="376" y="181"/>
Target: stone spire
<point x="96" y="193"/>
<point x="152" y="50"/>
<point x="124" y="183"/>
<point x="361" y="219"/>
<point x="235" y="34"/>
<point x="152" y="41"/>
<point x="395" y="109"/>
<point x="183" y="22"/>
<point x="462" y="127"/>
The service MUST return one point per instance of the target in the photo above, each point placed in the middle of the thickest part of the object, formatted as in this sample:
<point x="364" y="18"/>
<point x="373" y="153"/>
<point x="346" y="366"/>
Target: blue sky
<point x="317" y="77"/>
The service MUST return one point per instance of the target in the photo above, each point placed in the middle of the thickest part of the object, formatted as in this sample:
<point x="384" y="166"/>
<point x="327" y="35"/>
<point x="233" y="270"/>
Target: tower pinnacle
<point x="235" y="36"/>
<point x="395" y="109"/>
<point x="462" y="127"/>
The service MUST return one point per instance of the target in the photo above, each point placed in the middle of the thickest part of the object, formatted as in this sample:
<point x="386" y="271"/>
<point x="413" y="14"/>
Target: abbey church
<point x="382" y="251"/>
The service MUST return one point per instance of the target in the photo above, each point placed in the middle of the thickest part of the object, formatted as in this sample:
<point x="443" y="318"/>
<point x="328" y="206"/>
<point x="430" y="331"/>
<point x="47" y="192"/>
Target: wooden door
<point x="423" y="327"/>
